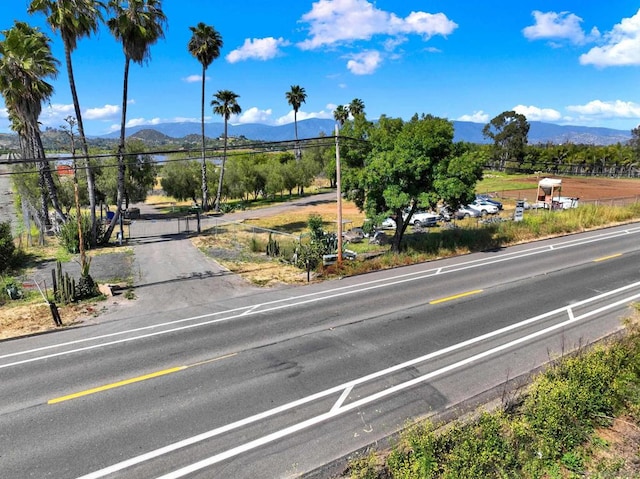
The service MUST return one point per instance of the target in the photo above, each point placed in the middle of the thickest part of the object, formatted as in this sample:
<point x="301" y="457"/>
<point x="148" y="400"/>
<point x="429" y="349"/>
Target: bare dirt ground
<point x="587" y="188"/>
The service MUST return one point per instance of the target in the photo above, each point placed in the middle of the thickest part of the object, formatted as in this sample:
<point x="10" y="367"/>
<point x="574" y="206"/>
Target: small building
<point x="549" y="195"/>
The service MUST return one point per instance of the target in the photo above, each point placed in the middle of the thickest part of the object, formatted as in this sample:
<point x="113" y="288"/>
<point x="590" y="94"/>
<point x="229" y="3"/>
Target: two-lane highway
<point x="289" y="381"/>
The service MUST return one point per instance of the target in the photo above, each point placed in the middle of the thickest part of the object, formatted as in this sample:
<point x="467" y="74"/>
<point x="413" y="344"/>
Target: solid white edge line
<point x="251" y="419"/>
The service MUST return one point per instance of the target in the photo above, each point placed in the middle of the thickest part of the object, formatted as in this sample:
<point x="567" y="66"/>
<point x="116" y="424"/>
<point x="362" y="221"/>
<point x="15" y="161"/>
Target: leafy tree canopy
<point x="411" y="165"/>
<point x="509" y="132"/>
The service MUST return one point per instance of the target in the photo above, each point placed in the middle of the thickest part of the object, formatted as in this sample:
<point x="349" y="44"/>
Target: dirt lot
<point x="587" y="189"/>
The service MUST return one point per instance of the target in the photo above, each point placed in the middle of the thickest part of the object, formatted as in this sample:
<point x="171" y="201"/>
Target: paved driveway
<point x="169" y="273"/>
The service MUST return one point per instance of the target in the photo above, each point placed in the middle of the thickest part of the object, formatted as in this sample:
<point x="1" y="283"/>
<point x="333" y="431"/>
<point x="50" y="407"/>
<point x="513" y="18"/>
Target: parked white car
<point x="485" y="207"/>
<point x="419" y="219"/>
<point x="467" y="212"/>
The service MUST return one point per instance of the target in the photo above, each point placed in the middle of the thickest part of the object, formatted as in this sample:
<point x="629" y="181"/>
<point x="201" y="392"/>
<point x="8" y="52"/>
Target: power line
<point x="210" y="152"/>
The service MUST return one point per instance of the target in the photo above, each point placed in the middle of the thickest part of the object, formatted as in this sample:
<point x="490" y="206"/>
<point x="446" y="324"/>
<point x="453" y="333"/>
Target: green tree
<point x="356" y="107"/>
<point x="225" y="104"/>
<point x="341" y="114"/>
<point x="405" y="170"/>
<point x="509" y="131"/>
<point x="181" y="180"/>
<point x="26" y="62"/>
<point x="7" y="247"/>
<point x="137" y="24"/>
<point x="296" y="97"/>
<point x="75" y="19"/>
<point x="205" y="45"/>
<point x="140" y="174"/>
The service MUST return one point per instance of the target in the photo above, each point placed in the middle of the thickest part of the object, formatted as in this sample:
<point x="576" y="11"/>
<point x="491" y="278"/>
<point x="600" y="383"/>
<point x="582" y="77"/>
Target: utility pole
<point x="339" y="199"/>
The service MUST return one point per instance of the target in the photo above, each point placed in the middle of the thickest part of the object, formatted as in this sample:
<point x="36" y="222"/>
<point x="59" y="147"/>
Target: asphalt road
<point x="280" y="383"/>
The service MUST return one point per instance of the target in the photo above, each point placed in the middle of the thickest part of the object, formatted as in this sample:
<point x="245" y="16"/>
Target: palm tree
<point x="205" y="45"/>
<point x="225" y="104"/>
<point x="25" y="62"/>
<point x="356" y="107"/>
<point x="137" y="24"/>
<point x="341" y="114"/>
<point x="75" y="19"/>
<point x="296" y="97"/>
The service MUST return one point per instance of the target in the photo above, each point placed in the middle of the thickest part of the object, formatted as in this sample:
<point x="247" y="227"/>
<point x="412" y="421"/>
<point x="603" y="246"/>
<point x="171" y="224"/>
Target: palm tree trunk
<point x="224" y="160"/>
<point x="121" y="149"/>
<point x="45" y="168"/>
<point x="91" y="188"/>
<point x="205" y="188"/>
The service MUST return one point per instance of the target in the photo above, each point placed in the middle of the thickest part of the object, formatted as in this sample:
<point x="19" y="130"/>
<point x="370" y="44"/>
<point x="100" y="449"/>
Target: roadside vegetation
<point x="243" y="248"/>
<point x="578" y="418"/>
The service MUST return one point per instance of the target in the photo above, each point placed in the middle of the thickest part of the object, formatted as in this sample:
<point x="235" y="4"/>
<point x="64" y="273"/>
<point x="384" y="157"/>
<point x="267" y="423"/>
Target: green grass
<point x="496" y="181"/>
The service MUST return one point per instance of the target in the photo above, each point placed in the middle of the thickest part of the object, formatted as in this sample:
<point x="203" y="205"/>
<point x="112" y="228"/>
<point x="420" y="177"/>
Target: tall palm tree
<point x="205" y="45"/>
<point x="296" y="97"/>
<point x="137" y="24"/>
<point x="25" y="63"/>
<point x="356" y="107"/>
<point x="341" y="114"/>
<point x="75" y="19"/>
<point x="225" y="104"/>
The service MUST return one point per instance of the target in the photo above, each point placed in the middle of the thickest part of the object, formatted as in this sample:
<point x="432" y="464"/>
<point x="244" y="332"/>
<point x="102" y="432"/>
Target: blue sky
<point x="566" y="62"/>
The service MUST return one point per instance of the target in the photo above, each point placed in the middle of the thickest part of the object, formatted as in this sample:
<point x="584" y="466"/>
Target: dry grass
<point x="27" y="318"/>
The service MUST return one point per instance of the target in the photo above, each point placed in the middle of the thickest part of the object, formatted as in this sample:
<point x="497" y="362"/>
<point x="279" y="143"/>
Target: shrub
<point x="69" y="234"/>
<point x="7" y="248"/>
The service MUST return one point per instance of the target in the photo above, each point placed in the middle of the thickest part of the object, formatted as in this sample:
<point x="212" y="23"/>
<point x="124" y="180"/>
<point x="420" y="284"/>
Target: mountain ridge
<point x="539" y="132"/>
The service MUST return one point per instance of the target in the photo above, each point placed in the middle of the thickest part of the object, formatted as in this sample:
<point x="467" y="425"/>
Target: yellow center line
<point x="138" y="379"/>
<point x="451" y="298"/>
<point x="604" y="258"/>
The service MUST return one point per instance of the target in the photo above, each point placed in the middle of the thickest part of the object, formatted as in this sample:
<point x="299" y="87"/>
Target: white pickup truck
<point x="422" y="219"/>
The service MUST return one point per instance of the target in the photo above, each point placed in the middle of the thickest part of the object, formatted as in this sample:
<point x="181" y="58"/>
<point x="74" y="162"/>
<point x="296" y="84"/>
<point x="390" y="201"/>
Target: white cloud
<point x="621" y="48"/>
<point x="186" y="119"/>
<point x="255" y="115"/>
<point x="534" y="113"/>
<point x="334" y="22"/>
<point x="194" y="79"/>
<point x="258" y="49"/>
<point x="101" y="113"/>
<point x="302" y="115"/>
<point x="607" y="109"/>
<point x="364" y="63"/>
<point x="4" y="113"/>
<point x="143" y="121"/>
<point x="477" y="117"/>
<point x="558" y="26"/>
<point x="53" y="115"/>
<point x="156" y="121"/>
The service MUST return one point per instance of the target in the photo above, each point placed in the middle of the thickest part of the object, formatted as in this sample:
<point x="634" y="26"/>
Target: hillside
<point x="464" y="131"/>
<point x="187" y="134"/>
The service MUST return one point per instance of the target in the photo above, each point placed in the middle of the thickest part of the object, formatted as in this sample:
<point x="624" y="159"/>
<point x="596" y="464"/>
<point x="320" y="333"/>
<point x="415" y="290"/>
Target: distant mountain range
<point x="188" y="133"/>
<point x="464" y="131"/>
